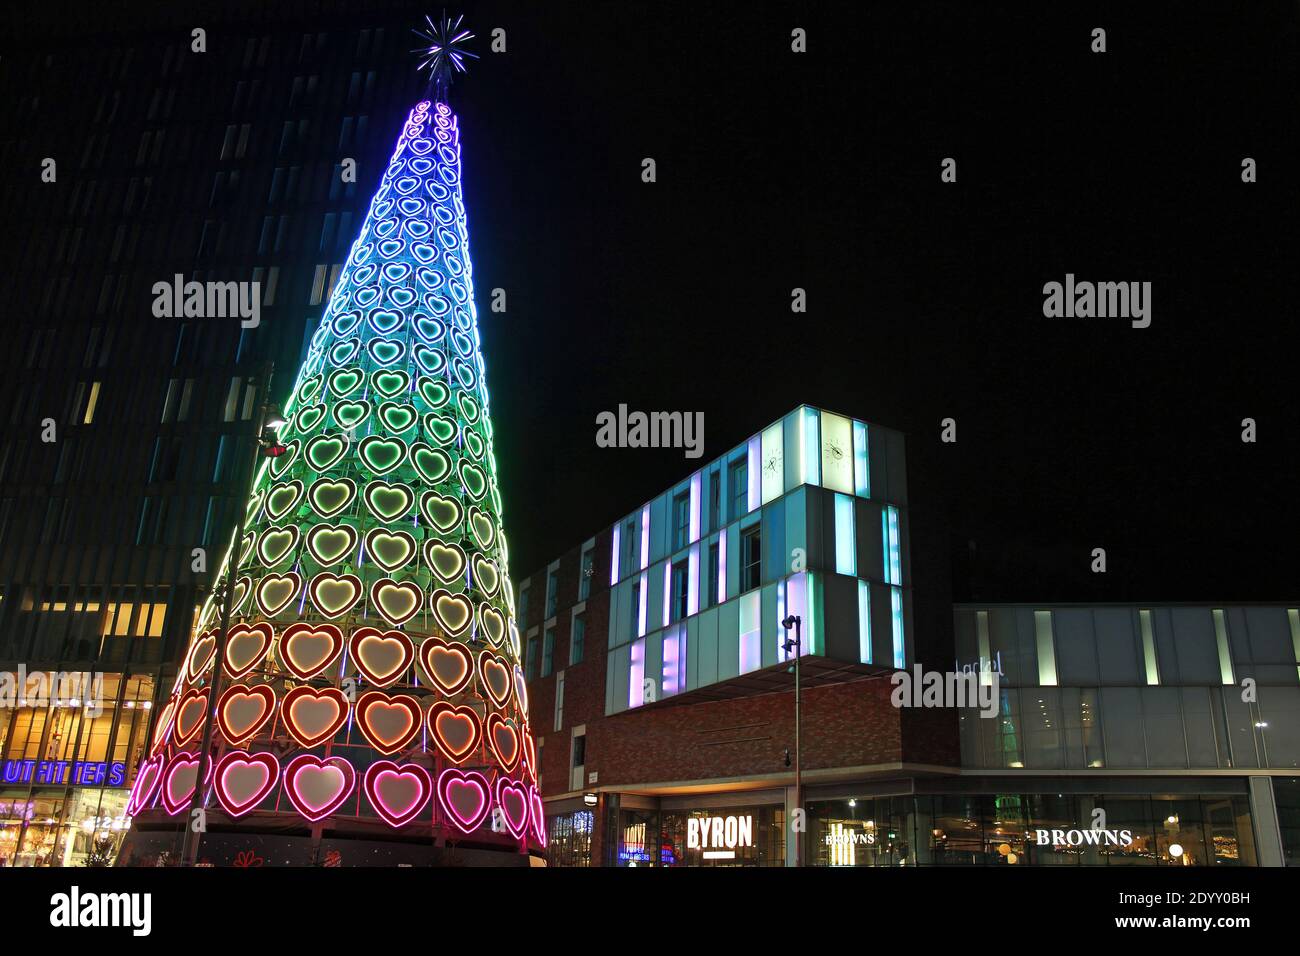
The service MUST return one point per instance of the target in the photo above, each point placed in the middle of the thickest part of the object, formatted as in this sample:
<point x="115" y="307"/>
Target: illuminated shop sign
<point x="74" y="772"/>
<point x="719" y="837"/>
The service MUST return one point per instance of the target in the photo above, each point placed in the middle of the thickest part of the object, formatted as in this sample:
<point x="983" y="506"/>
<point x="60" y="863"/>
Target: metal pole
<point x="798" y="777"/>
<point x="190" y="846"/>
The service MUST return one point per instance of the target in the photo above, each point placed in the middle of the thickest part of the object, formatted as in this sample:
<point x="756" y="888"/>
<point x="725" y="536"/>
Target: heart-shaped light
<point x="147" y="781"/>
<point x="447" y="665"/>
<point x="345" y="381"/>
<point x="431" y="330"/>
<point x="434" y="392"/>
<point x="446" y="560"/>
<point x="275" y="592"/>
<point x="308" y="417"/>
<point x="243" y="780"/>
<point x="440" y="428"/>
<point x="396" y="601"/>
<point x="306" y="649"/>
<point x="348" y="414"/>
<point x="162" y="729"/>
<point x="537" y="815"/>
<point x="329" y="544"/>
<point x="329" y="496"/>
<point x="335" y="594"/>
<point x="384" y="321"/>
<point x="469" y="406"/>
<point x="287" y="457"/>
<point x="455" y="729"/>
<point x="397" y="418"/>
<point x="276" y="544"/>
<point x="324" y="451"/>
<point x="494" y="672"/>
<point x="483" y="528"/>
<point x="390" y="550"/>
<point x="442" y="512"/>
<point x="465" y="798"/>
<point x="179" y="780"/>
<point x="283" y="498"/>
<point x="189" y="716"/>
<point x="433" y="464"/>
<point x="512" y="801"/>
<point x="381" y="656"/>
<point x="346" y="322"/>
<point x="530" y="756"/>
<point x="486" y="576"/>
<point x="503" y="738"/>
<point x="453" y="611"/>
<point x="521" y="690"/>
<point x="246" y="646"/>
<point x="390" y="382"/>
<point x="345" y="352"/>
<point x="389" y="722"/>
<point x="388" y="502"/>
<point x="429" y="359"/>
<point x="473" y="442"/>
<point x="313" y="715"/>
<point x="386" y="351"/>
<point x="308" y="389"/>
<point x="398" y="793"/>
<point x="465" y="372"/>
<point x="381" y="455"/>
<point x="492" y="623"/>
<point x="242" y="711"/>
<point x="202" y="650"/>
<point x="318" y="787"/>
<point x="473" y="478"/>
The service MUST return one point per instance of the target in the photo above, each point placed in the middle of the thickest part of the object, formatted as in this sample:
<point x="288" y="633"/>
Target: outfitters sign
<point x="66" y="772"/>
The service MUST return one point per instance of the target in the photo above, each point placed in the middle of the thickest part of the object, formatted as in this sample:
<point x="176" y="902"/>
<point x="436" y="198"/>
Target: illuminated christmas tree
<point x="371" y="684"/>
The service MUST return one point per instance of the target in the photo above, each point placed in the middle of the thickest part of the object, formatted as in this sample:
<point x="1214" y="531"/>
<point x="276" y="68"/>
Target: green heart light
<point x="324" y="451"/>
<point x="381" y="455"/>
<point x="397" y="418"/>
<point x="329" y="496"/>
<point x="474" y="479"/>
<point x="446" y="560"/>
<point x="328" y="544"/>
<point x="276" y="544"/>
<point x="433" y="464"/>
<point x="389" y="549"/>
<point x="283" y="498"/>
<point x="388" y="502"/>
<point x="348" y="414"/>
<point x="434" y="392"/>
<point x="441" y="512"/>
<point x="390" y="382"/>
<point x="345" y="381"/>
<point x="440" y="428"/>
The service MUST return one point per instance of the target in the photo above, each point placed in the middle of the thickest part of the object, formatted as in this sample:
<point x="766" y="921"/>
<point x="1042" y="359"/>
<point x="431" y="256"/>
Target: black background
<point x="821" y="171"/>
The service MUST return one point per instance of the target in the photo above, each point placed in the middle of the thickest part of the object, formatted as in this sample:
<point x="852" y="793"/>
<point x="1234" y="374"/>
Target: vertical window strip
<point x="1149" y="648"/>
<point x="1046" y="646"/>
<point x="1221" y="639"/>
<point x="845" y="542"/>
<point x="861" y="463"/>
<point x="613" y="560"/>
<point x="1293" y="618"/>
<point x="864" y="622"/>
<point x="896" y="614"/>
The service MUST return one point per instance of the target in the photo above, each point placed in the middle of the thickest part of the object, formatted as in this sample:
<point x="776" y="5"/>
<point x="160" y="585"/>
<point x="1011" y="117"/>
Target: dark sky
<point x="925" y="299"/>
<point x="821" y="171"/>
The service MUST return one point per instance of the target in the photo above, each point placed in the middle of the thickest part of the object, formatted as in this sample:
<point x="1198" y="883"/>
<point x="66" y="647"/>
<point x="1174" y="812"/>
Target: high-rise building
<point x="127" y="438"/>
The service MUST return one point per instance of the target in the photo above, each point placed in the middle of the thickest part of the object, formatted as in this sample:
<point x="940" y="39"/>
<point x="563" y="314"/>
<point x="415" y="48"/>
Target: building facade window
<point x="552" y="593"/>
<point x="578" y="639"/>
<point x="586" y="569"/>
<point x="548" y="652"/>
<point x="681" y="520"/>
<point x="738" y="476"/>
<point x="751" y="558"/>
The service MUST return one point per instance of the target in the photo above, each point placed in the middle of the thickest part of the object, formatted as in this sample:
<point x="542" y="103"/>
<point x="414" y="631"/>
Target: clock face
<point x="773" y="463"/>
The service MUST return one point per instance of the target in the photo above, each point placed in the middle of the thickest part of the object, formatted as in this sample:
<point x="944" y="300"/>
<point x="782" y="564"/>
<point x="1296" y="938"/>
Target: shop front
<point x="66" y="767"/>
<point x="699" y="831"/>
<point x="1032" y="829"/>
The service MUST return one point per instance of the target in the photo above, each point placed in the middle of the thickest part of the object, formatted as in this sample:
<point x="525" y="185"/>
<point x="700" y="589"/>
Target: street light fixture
<point x="795" y="644"/>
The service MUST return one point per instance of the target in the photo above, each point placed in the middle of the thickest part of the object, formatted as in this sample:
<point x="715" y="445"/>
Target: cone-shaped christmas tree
<point x="371" y="682"/>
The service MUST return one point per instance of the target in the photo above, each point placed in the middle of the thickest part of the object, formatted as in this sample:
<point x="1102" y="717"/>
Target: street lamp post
<point x="795" y="621"/>
<point x="265" y="443"/>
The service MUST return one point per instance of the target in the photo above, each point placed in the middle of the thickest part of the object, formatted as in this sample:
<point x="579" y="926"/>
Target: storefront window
<point x="731" y="836"/>
<point x="1004" y="830"/>
<point x="568" y="840"/>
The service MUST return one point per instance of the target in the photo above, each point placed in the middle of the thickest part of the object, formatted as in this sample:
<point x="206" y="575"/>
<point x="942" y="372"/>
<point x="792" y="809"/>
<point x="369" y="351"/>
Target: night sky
<point x="822" y="171"/>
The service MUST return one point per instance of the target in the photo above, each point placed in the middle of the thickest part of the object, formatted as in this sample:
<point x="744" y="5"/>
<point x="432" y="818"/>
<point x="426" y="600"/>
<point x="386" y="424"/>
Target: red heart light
<point x="246" y="646"/>
<point x="318" y="787"/>
<point x="398" y="794"/>
<point x="448" y="666"/>
<point x="147" y="781"/>
<point x="465" y="797"/>
<point x="189" y="716"/>
<point x="242" y="711"/>
<point x="202" y="651"/>
<point x="243" y="780"/>
<point x="307" y="649"/>
<point x="537" y="815"/>
<point x="388" y="722"/>
<point x="503" y="738"/>
<point x="494" y="671"/>
<point x="512" y="800"/>
<point x="456" y="730"/>
<point x="313" y="715"/>
<point x="530" y="756"/>
<point x="381" y="657"/>
<point x="178" y="781"/>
